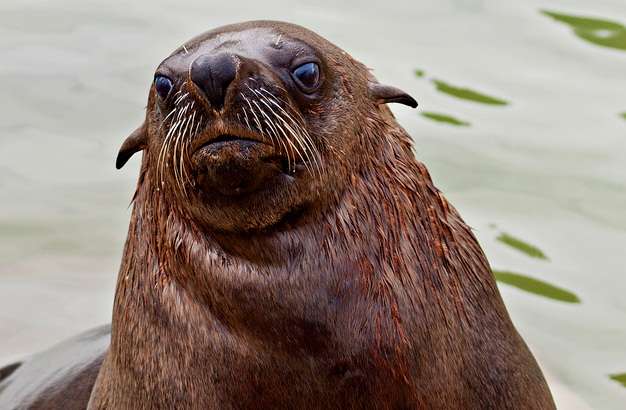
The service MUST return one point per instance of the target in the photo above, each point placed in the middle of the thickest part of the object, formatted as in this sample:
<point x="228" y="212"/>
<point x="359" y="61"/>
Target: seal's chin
<point x="232" y="165"/>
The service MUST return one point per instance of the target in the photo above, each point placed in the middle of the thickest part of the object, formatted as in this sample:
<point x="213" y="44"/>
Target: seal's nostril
<point x="213" y="74"/>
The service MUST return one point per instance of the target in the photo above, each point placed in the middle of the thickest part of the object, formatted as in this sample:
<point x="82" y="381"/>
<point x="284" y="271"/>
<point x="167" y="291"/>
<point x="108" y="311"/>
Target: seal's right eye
<point x="163" y="86"/>
<point x="307" y="77"/>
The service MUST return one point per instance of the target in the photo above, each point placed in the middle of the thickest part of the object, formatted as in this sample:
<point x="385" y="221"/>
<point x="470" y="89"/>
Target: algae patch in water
<point x="419" y="73"/>
<point x="619" y="377"/>
<point x="467" y="94"/>
<point x="601" y="32"/>
<point x="447" y="119"/>
<point x="521" y="246"/>
<point x="623" y="115"/>
<point x="535" y="286"/>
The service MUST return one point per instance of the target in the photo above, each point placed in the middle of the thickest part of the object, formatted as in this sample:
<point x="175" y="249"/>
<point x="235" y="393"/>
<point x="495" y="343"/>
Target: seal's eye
<point x="163" y="85"/>
<point x="307" y="76"/>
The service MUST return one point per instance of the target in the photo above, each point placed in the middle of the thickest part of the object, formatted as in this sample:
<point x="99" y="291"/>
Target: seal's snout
<point x="213" y="73"/>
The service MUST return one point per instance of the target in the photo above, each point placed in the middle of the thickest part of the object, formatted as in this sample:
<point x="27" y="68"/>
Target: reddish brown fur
<point x="378" y="296"/>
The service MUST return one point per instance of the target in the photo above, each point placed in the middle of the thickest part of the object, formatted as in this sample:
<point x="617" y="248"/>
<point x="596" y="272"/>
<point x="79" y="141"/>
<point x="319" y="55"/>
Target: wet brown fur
<point x="375" y="296"/>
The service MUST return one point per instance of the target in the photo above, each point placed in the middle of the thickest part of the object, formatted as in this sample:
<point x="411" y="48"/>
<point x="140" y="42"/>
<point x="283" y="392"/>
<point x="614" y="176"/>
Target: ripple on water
<point x="535" y="286"/>
<point x="601" y="32"/>
<point x="521" y="246"/>
<point x="457" y="92"/>
<point x="619" y="377"/>
<point x="467" y="93"/>
<point x="444" y="118"/>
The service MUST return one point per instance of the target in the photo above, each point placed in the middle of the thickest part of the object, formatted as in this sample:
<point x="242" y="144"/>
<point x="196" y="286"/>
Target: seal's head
<point x="250" y="125"/>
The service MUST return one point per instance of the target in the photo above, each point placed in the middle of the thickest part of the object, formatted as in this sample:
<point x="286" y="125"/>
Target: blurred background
<point x="522" y="123"/>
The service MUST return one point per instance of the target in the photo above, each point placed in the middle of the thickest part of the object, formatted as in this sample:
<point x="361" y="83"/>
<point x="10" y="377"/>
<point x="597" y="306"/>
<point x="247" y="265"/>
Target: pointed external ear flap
<point x="384" y="94"/>
<point x="135" y="142"/>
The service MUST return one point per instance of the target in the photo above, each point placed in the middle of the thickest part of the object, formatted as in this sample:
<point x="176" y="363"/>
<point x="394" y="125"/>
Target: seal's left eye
<point x="163" y="85"/>
<point x="307" y="76"/>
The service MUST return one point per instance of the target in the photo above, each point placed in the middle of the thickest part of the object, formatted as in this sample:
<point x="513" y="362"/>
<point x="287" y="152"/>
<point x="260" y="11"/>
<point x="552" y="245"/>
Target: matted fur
<point x="375" y="295"/>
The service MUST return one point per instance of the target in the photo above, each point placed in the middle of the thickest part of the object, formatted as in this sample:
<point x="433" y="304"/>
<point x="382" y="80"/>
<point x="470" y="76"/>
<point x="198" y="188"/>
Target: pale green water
<point x="522" y="122"/>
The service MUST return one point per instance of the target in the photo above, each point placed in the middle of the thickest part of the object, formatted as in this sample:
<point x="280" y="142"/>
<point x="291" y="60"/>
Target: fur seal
<point x="287" y="250"/>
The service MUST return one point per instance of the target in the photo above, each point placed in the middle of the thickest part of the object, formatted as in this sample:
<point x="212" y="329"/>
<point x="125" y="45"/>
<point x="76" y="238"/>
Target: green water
<point x="467" y="94"/>
<point x="522" y="123"/>
<point x="445" y="118"/>
<point x="521" y="246"/>
<point x="620" y="378"/>
<point x="535" y="286"/>
<point x="599" y="31"/>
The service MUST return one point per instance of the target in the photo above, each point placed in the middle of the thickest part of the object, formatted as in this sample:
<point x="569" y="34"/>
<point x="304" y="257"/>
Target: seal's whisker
<point x="293" y="150"/>
<point x="175" y="157"/>
<point x="309" y="141"/>
<point x="299" y="124"/>
<point x="165" y="148"/>
<point x="180" y="133"/>
<point x="162" y="154"/>
<point x="258" y="123"/>
<point x="181" y="136"/>
<point x="166" y="118"/>
<point x="302" y="137"/>
<point x="288" y="147"/>
<point x="276" y="138"/>
<point x="269" y="121"/>
<point x="181" y="97"/>
<point x="245" y="114"/>
<point x="298" y="140"/>
<point x="182" y="112"/>
<point x="184" y="151"/>
<point x="282" y="124"/>
<point x="171" y="130"/>
<point x="176" y="140"/>
<point x="277" y="100"/>
<point x="270" y="125"/>
<point x="296" y="136"/>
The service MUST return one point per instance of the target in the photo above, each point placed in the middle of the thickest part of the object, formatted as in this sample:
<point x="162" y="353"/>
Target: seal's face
<point x="236" y="108"/>
<point x="244" y="120"/>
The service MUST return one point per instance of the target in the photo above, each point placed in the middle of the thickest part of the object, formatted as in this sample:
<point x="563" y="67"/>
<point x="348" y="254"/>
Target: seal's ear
<point x="384" y="94"/>
<point x="135" y="142"/>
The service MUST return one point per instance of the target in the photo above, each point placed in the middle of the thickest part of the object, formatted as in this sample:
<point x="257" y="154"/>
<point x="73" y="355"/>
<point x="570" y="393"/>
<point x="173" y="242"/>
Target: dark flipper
<point x="7" y="370"/>
<point x="59" y="378"/>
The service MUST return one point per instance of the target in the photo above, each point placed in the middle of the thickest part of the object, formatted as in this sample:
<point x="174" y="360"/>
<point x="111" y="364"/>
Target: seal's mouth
<point x="227" y="138"/>
<point x="224" y="140"/>
<point x="229" y="135"/>
<point x="227" y="148"/>
<point x="233" y="163"/>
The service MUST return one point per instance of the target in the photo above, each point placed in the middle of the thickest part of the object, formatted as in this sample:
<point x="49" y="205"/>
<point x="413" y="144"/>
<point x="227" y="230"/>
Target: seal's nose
<point x="212" y="74"/>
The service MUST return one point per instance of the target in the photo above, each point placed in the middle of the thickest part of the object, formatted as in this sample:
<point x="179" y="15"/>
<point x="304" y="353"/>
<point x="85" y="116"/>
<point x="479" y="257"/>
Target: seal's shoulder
<point x="59" y="378"/>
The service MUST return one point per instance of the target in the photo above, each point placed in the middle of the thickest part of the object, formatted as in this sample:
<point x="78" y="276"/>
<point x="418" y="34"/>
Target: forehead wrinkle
<point x="301" y="50"/>
<point x="227" y="43"/>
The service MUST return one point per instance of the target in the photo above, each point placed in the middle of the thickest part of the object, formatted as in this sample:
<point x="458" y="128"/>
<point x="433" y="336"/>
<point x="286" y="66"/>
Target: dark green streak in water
<point x="447" y="119"/>
<point x="605" y="33"/>
<point x="623" y="115"/>
<point x="535" y="286"/>
<point x="467" y="94"/>
<point x="619" y="377"/>
<point x="521" y="246"/>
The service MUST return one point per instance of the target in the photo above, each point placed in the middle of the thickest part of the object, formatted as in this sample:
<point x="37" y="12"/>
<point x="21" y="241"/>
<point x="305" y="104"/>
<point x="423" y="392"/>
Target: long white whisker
<point x="306" y="147"/>
<point x="302" y="146"/>
<point x="299" y="125"/>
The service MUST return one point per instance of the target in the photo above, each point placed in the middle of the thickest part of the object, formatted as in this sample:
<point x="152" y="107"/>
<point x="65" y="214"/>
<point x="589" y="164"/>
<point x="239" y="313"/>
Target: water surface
<point x="544" y="165"/>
